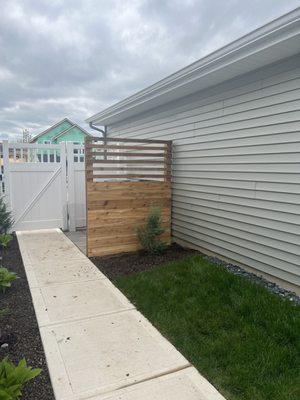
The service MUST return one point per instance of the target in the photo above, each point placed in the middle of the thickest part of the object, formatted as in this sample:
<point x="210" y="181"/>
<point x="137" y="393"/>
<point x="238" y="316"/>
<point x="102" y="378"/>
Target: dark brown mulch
<point x="19" y="327"/>
<point x="130" y="263"/>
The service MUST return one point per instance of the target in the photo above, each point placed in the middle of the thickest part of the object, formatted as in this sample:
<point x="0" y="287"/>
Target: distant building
<point x="63" y="131"/>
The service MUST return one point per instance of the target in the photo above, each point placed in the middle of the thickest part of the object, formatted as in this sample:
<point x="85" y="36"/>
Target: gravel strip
<point x="270" y="286"/>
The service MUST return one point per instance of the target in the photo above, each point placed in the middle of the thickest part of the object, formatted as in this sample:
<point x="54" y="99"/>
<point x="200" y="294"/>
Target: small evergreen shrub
<point x="148" y="235"/>
<point x="5" y="238"/>
<point x="6" y="220"/>
<point x="6" y="277"/>
<point x="13" y="378"/>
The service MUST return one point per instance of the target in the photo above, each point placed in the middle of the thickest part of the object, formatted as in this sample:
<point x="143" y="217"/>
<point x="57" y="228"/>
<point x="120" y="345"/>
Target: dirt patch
<point x="130" y="263"/>
<point x="19" y="327"/>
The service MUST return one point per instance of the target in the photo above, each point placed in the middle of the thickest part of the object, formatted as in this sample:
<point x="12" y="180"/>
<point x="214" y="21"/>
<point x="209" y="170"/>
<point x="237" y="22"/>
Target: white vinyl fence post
<point x="64" y="196"/>
<point x="6" y="172"/>
<point x="71" y="186"/>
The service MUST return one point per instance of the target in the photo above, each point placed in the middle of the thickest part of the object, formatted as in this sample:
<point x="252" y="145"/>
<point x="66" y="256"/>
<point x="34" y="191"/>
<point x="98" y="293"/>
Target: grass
<point x="242" y="338"/>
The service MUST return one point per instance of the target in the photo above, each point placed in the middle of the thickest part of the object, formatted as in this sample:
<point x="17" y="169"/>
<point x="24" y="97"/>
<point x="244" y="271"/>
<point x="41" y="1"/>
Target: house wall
<point x="236" y="167"/>
<point x="53" y="132"/>
<point x="73" y="135"/>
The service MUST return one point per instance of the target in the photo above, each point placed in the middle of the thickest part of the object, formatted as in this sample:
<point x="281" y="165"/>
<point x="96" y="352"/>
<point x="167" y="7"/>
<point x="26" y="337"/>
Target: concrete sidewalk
<point x="97" y="345"/>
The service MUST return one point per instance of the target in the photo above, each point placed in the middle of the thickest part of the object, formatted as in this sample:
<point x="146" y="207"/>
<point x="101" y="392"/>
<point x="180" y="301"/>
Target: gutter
<point x="103" y="131"/>
<point x="104" y="135"/>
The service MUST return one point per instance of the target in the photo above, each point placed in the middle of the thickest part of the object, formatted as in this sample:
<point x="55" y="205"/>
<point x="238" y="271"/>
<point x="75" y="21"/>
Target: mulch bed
<point x="20" y="329"/>
<point x="130" y="263"/>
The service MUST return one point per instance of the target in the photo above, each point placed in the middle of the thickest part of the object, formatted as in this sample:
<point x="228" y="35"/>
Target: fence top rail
<point x="125" y="140"/>
<point x="144" y="147"/>
<point x="32" y="146"/>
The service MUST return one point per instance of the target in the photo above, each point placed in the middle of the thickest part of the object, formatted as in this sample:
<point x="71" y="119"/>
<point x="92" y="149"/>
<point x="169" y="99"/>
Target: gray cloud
<point x="60" y="58"/>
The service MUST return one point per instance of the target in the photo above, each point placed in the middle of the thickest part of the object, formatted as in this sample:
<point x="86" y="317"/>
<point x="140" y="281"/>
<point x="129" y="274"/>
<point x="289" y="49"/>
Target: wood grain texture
<point x="128" y="140"/>
<point x="116" y="209"/>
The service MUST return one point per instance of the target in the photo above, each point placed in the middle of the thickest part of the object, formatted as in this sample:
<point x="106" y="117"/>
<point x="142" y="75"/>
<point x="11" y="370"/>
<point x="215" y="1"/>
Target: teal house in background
<point x="63" y="131"/>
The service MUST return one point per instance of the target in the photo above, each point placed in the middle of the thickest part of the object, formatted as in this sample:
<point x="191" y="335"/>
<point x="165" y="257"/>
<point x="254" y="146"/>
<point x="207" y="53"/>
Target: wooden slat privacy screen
<point x="124" y="179"/>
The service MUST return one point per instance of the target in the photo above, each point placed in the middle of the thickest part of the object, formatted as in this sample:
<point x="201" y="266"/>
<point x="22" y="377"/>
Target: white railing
<point x="39" y="153"/>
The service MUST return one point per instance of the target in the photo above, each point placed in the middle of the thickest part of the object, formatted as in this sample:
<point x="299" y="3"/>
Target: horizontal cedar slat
<point x="121" y="239"/>
<point x="124" y="169"/>
<point x="118" y="147"/>
<point x="112" y="229"/>
<point x="111" y="250"/>
<point x="119" y="194"/>
<point x="128" y="213"/>
<point x="124" y="176"/>
<point x="126" y="161"/>
<point x="126" y="140"/>
<point x="91" y="155"/>
<point x="99" y="220"/>
<point x="127" y="184"/>
<point x="119" y="204"/>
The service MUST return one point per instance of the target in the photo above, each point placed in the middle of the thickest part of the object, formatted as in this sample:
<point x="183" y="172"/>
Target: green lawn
<point x="242" y="338"/>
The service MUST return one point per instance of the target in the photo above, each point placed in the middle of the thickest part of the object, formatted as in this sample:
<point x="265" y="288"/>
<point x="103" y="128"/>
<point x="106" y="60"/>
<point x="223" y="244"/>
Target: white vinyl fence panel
<point x="44" y="185"/>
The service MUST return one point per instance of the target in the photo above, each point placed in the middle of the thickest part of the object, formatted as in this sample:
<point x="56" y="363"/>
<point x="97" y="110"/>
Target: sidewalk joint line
<point x="88" y="317"/>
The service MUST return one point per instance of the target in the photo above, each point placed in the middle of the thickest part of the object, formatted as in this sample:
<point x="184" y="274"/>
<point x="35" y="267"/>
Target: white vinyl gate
<point x="44" y="185"/>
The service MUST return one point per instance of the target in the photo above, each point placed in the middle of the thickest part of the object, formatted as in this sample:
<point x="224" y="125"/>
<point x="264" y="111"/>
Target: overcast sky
<point x="72" y="58"/>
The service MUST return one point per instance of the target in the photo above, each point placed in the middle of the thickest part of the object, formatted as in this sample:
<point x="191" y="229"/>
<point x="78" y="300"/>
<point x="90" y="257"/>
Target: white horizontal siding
<point x="236" y="167"/>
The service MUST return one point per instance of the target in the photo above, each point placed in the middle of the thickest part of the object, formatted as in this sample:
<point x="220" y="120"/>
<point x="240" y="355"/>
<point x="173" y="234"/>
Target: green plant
<point x="148" y="235"/>
<point x="6" y="277"/>
<point x="3" y="312"/>
<point x="13" y="378"/>
<point x="5" y="238"/>
<point x="6" y="220"/>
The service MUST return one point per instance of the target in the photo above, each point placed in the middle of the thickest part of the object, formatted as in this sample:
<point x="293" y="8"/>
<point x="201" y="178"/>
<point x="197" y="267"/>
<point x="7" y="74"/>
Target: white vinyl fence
<point x="44" y="185"/>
